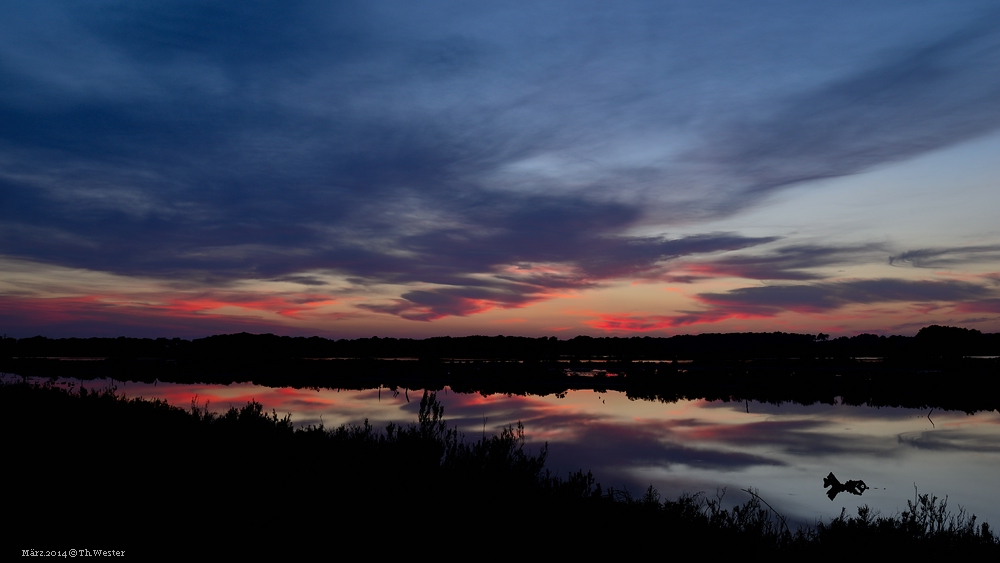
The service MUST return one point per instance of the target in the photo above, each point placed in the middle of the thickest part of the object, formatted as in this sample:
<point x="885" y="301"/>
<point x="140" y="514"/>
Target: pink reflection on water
<point x="685" y="446"/>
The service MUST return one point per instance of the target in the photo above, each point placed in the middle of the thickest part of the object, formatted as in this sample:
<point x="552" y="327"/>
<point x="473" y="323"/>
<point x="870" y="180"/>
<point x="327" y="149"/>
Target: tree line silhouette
<point x="921" y="378"/>
<point x="928" y="342"/>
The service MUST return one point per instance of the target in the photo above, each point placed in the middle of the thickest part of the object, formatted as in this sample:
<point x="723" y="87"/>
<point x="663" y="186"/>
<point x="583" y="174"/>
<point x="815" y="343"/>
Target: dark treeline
<point x="965" y="384"/>
<point x="930" y="370"/>
<point x="95" y="470"/>
<point x="929" y="341"/>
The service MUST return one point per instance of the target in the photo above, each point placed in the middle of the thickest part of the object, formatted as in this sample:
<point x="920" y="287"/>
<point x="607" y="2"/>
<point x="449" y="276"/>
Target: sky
<point x="541" y="168"/>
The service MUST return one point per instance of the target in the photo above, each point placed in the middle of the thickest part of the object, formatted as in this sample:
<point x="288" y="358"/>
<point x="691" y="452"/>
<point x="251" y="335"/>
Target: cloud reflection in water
<point x="688" y="446"/>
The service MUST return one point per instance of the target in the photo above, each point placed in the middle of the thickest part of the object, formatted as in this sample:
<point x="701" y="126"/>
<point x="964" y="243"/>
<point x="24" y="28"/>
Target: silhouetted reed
<point x="97" y="465"/>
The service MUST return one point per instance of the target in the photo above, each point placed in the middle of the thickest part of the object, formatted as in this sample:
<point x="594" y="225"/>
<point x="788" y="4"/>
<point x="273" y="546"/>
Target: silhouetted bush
<point x="95" y="469"/>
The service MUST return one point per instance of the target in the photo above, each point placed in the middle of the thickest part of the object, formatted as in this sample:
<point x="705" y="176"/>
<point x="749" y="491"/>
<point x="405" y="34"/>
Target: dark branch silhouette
<point x="836" y="487"/>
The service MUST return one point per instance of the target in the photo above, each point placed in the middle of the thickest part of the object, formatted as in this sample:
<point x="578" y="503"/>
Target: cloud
<point x="177" y="313"/>
<point x="93" y="316"/>
<point x="591" y="259"/>
<point x="647" y="323"/>
<point x="926" y="97"/>
<point x="950" y="441"/>
<point x="431" y="305"/>
<point x="815" y="298"/>
<point x="949" y="257"/>
<point x="435" y="149"/>
<point x="799" y="437"/>
<point x="791" y="262"/>
<point x="612" y="448"/>
<point x="827" y="296"/>
<point x="981" y="306"/>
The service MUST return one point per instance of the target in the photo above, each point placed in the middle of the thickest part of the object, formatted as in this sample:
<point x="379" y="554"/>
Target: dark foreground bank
<point x="95" y="469"/>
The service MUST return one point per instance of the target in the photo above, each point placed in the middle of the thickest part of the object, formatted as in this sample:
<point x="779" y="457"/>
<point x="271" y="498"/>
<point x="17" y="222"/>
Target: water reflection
<point x="783" y="451"/>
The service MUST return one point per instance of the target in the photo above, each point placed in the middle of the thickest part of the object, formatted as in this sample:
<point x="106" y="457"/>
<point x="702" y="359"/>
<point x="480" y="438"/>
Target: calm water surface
<point x="688" y="446"/>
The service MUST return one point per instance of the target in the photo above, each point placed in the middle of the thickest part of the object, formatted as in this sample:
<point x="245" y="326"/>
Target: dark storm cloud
<point x="442" y="144"/>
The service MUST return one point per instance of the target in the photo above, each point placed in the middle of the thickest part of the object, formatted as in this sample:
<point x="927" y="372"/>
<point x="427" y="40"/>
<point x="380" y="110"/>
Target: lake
<point x="689" y="446"/>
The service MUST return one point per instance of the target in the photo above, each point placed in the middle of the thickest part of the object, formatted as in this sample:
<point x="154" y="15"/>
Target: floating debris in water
<point x="836" y="487"/>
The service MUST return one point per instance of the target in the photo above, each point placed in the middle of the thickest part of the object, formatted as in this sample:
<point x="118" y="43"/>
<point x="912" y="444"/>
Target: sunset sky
<point x="536" y="168"/>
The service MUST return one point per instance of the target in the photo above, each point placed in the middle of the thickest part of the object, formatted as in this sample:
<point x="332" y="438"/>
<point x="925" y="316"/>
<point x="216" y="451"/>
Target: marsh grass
<point x="101" y="465"/>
